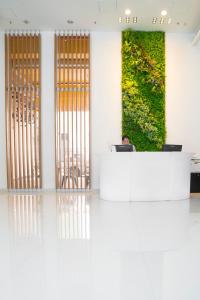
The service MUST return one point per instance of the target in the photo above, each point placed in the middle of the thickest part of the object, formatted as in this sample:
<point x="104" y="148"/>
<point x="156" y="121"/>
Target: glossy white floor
<point x="77" y="247"/>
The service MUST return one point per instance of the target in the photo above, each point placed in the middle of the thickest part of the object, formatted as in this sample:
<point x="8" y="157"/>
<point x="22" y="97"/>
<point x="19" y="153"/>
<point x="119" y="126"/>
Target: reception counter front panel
<point x="145" y="176"/>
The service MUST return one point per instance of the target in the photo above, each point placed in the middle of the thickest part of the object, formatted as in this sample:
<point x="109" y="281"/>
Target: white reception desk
<point x="145" y="176"/>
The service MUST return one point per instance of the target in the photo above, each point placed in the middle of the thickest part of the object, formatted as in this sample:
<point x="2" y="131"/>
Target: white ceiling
<point x="98" y="15"/>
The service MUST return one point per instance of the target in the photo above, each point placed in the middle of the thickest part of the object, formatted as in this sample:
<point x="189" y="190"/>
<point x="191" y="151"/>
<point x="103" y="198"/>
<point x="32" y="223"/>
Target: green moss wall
<point x="143" y="89"/>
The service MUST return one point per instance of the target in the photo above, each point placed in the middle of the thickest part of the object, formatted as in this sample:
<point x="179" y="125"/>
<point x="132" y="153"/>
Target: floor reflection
<point x="58" y="245"/>
<point x="73" y="217"/>
<point x="25" y="215"/>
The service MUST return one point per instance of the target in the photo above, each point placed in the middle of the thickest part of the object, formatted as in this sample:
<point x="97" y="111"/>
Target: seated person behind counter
<point x="126" y="146"/>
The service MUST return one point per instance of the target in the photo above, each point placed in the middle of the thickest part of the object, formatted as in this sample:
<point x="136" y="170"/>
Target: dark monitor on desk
<point x="171" y="148"/>
<point x="124" y="148"/>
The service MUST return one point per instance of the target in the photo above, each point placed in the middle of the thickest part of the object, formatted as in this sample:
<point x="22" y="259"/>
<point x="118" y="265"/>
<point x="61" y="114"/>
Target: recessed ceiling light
<point x="120" y="19"/>
<point x="163" y="12"/>
<point x="127" y="12"/>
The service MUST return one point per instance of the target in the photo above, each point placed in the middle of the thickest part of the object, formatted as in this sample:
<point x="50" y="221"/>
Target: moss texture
<point x="143" y="89"/>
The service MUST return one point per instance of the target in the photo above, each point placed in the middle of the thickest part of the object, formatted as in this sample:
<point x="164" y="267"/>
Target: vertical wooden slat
<point x="59" y="107"/>
<point x="36" y="71"/>
<point x="14" y="112"/>
<point x="34" y="94"/>
<point x="11" y="110"/>
<point x="7" y="88"/>
<point x="23" y="111"/>
<point x="81" y="86"/>
<point x="26" y="111"/>
<point x="31" y="105"/>
<point x="85" y="86"/>
<point x="37" y="68"/>
<point x="89" y="158"/>
<point x="76" y="93"/>
<point x="56" y="108"/>
<point x="68" y="108"/>
<point x="72" y="87"/>
<point x="64" y="108"/>
<point x="18" y="112"/>
<point x="39" y="179"/>
<point x="29" y="102"/>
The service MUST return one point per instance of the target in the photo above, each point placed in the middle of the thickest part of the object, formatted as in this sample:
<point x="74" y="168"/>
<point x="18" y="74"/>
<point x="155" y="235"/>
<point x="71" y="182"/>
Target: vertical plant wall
<point x="143" y="89"/>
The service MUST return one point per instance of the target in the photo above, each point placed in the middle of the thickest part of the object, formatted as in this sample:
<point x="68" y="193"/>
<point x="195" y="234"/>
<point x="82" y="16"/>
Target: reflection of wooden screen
<point x="72" y="82"/>
<point x="73" y="217"/>
<point x="25" y="215"/>
<point x="23" y="111"/>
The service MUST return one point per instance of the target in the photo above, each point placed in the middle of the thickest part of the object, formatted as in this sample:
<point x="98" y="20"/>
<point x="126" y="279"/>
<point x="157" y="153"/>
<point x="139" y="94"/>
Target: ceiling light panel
<point x="163" y="13"/>
<point x="127" y="12"/>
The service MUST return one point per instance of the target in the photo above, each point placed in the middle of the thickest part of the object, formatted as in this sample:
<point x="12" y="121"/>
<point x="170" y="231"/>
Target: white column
<point x="48" y="112"/>
<point x="105" y="96"/>
<point x="3" y="169"/>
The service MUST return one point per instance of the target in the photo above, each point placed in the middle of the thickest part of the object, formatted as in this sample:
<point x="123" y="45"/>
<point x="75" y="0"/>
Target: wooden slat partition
<point x="72" y="98"/>
<point x="23" y="110"/>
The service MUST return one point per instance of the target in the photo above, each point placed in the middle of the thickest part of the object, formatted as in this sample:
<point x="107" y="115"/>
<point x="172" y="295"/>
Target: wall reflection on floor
<point x="73" y="244"/>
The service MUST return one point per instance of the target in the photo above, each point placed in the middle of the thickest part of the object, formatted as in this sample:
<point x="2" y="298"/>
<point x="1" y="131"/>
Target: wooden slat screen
<point x="23" y="110"/>
<point x="72" y="91"/>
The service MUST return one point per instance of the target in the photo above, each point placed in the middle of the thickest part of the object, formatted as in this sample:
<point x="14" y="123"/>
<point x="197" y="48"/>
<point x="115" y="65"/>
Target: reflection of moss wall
<point x="143" y="88"/>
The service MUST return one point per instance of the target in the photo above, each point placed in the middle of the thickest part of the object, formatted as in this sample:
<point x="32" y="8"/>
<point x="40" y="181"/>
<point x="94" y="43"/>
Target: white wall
<point x="105" y="96"/>
<point x="183" y="91"/>
<point x="182" y="98"/>
<point x="3" y="170"/>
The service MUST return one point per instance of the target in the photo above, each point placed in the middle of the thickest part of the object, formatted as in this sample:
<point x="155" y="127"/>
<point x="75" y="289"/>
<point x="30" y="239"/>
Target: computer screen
<point x="169" y="147"/>
<point x="124" y="148"/>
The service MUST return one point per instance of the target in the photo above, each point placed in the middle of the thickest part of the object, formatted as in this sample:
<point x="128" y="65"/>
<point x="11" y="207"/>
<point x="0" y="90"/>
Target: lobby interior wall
<point x="182" y="99"/>
<point x="105" y="96"/>
<point x="183" y="91"/>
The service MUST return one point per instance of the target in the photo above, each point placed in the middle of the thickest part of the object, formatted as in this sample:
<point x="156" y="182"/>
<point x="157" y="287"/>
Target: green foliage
<point x="143" y="88"/>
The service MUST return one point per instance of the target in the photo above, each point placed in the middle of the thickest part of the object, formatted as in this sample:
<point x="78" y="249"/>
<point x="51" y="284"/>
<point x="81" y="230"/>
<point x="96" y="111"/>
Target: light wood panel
<point x="72" y="94"/>
<point x="23" y="111"/>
